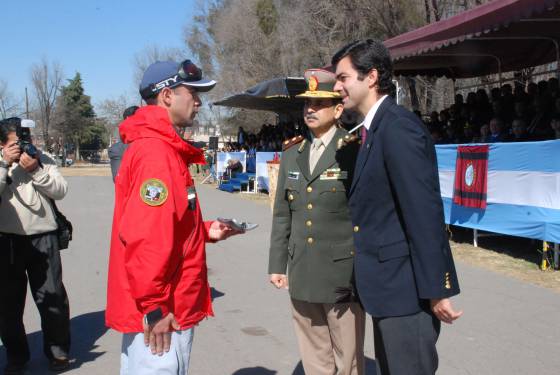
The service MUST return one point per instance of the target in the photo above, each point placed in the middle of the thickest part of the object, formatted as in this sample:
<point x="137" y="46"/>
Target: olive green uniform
<point x="312" y="233"/>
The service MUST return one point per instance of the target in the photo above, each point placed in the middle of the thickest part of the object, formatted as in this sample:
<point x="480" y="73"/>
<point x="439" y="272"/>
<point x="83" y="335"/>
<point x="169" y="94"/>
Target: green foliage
<point x="77" y="120"/>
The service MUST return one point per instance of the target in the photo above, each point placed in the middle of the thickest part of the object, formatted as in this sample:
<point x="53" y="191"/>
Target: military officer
<point x="312" y="235"/>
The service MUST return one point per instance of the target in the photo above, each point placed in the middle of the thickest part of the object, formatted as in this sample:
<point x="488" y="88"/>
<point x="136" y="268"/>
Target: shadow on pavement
<point x="255" y="371"/>
<point x="371" y="368"/>
<point x="85" y="329"/>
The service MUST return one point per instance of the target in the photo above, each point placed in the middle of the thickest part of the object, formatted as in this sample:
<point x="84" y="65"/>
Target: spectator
<point x="522" y="112"/>
<point x="451" y="136"/>
<point x="539" y="126"/>
<point x="497" y="133"/>
<point x="434" y="121"/>
<point x="484" y="136"/>
<point x="436" y="136"/>
<point x="29" y="246"/>
<point x="519" y="130"/>
<point x="468" y="134"/>
<point x="241" y="136"/>
<point x="117" y="150"/>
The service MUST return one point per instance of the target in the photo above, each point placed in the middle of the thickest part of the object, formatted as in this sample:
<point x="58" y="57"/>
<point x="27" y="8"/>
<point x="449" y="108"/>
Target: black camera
<point x="24" y="134"/>
<point x="28" y="148"/>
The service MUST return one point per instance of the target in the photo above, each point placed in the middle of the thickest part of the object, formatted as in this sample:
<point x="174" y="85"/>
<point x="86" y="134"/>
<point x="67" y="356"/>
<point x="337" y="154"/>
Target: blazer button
<point x="309" y="206"/>
<point x="310" y="240"/>
<point x="308" y="223"/>
<point x="356" y="229"/>
<point x="309" y="189"/>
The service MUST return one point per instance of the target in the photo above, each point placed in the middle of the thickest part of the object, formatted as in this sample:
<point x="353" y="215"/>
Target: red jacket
<point x="158" y="239"/>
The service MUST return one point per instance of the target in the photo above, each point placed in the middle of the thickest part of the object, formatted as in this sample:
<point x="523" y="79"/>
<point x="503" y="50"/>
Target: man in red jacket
<point x="158" y="288"/>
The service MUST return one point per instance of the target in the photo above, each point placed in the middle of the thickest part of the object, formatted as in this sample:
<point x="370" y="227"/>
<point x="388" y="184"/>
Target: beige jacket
<point x="25" y="208"/>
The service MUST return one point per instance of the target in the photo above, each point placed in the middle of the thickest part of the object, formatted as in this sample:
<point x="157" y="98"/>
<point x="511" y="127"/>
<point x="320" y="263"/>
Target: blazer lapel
<point x="327" y="159"/>
<point x="366" y="148"/>
<point x="303" y="160"/>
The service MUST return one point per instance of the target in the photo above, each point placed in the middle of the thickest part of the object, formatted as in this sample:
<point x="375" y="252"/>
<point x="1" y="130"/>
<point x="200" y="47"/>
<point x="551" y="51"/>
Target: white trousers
<point x="137" y="358"/>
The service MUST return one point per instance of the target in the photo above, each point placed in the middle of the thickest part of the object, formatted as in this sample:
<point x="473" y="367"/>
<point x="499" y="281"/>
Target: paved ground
<point x="509" y="327"/>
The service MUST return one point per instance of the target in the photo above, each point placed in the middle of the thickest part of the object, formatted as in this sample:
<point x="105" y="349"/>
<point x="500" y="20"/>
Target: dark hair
<point x="7" y="126"/>
<point x="366" y="55"/>
<point x="153" y="100"/>
<point x="129" y="111"/>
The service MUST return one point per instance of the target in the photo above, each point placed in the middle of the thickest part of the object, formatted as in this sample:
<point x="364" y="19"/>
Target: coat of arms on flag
<point x="471" y="176"/>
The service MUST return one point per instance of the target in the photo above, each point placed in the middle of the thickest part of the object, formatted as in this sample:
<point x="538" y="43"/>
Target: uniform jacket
<point x="403" y="257"/>
<point x="158" y="239"/>
<point x="311" y="228"/>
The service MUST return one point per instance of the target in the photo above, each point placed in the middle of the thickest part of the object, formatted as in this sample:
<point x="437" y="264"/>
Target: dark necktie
<point x="363" y="134"/>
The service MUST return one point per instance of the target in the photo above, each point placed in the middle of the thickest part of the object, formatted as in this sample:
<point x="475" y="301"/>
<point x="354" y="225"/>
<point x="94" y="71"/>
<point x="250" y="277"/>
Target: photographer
<point x="29" y="249"/>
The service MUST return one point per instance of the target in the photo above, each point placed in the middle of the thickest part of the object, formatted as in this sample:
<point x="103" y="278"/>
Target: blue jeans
<point x="137" y="359"/>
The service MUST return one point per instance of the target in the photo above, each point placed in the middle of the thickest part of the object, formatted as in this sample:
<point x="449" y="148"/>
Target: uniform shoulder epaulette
<point x="347" y="139"/>
<point x="291" y="142"/>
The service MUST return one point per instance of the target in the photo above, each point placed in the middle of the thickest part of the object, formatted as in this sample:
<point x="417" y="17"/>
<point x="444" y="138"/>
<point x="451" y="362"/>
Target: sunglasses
<point x="188" y="72"/>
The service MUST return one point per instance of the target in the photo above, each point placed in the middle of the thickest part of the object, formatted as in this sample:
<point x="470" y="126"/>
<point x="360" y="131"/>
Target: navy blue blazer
<point x="403" y="257"/>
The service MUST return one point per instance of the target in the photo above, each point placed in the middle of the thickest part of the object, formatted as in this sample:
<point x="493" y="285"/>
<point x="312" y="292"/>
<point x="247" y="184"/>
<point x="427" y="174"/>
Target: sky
<point x="97" y="38"/>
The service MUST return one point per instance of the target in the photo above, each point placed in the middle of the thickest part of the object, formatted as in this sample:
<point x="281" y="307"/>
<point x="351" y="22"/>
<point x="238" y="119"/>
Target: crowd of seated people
<point x="506" y="114"/>
<point x="269" y="138"/>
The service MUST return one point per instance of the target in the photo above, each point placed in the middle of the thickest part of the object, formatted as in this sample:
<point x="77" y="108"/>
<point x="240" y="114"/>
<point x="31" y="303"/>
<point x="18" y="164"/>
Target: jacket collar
<point x="153" y="122"/>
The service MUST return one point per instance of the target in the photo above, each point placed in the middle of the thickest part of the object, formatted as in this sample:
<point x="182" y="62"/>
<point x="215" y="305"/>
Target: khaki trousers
<point x="330" y="337"/>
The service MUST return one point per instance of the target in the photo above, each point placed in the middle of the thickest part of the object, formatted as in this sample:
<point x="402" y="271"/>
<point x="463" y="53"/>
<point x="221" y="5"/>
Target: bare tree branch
<point x="46" y="79"/>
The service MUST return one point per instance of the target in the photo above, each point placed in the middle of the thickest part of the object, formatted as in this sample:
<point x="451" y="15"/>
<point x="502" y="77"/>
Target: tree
<point x="77" y="120"/>
<point x="275" y="38"/>
<point x="111" y="112"/>
<point x="46" y="78"/>
<point x="8" y="106"/>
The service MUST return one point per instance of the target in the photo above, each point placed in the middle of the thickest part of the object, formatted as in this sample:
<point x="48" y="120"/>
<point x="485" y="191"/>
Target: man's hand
<point x="158" y="335"/>
<point x="11" y="153"/>
<point x="443" y="310"/>
<point x="220" y="231"/>
<point x="28" y="163"/>
<point x="279" y="280"/>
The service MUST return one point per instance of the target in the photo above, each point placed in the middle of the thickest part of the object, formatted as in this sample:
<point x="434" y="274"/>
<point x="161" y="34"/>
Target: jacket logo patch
<point x="153" y="192"/>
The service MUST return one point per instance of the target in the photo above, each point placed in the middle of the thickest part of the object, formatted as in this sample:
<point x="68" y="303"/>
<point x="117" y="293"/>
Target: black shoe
<point x="59" y="364"/>
<point x="15" y="369"/>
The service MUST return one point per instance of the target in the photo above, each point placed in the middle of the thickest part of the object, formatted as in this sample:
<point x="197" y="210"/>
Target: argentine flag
<point x="523" y="193"/>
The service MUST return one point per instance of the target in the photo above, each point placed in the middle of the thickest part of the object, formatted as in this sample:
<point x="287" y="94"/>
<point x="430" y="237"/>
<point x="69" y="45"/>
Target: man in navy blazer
<point x="404" y="268"/>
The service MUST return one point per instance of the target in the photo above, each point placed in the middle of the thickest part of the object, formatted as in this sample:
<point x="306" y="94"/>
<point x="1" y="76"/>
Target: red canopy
<point x="499" y="36"/>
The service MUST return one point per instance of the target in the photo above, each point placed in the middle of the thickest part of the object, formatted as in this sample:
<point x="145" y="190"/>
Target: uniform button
<point x="308" y="223"/>
<point x="290" y="197"/>
<point x="352" y="253"/>
<point x="309" y="206"/>
<point x="309" y="189"/>
<point x="333" y="190"/>
<point x="356" y="228"/>
<point x="310" y="240"/>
